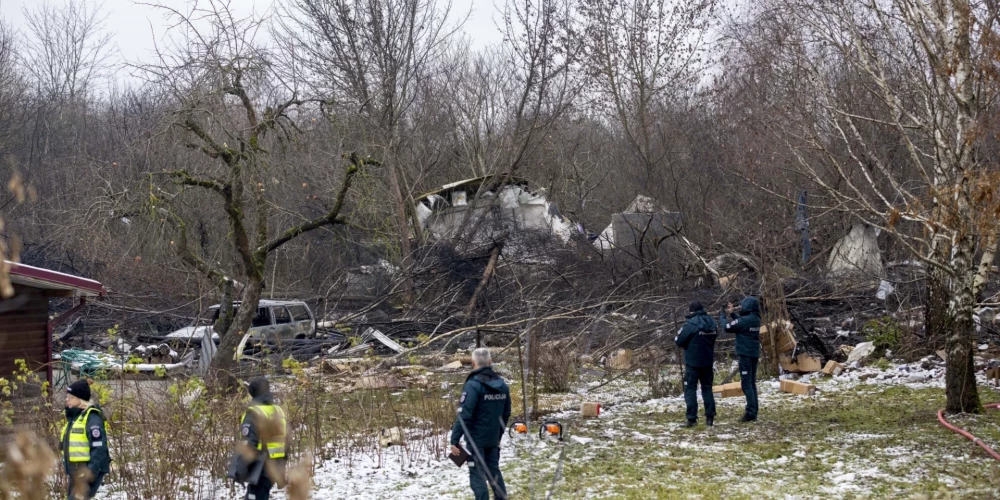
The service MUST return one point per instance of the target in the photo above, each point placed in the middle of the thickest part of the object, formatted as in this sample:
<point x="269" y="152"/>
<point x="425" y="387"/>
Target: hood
<point x="488" y="378"/>
<point x="750" y="305"/>
<point x="264" y="399"/>
<point x="700" y="312"/>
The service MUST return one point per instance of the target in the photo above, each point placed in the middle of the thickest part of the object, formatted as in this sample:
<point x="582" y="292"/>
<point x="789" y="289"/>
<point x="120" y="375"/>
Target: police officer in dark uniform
<point x="482" y="419"/>
<point x="84" y="443"/>
<point x="697" y="338"/>
<point x="260" y="458"/>
<point x="746" y="326"/>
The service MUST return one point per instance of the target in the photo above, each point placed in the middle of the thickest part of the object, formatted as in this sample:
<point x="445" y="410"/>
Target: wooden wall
<point x="23" y="328"/>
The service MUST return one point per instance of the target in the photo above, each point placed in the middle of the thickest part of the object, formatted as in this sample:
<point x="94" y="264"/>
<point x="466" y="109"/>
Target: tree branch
<point x="331" y="217"/>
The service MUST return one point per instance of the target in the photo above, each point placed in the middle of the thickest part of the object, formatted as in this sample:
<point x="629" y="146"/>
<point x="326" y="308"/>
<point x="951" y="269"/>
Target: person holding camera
<point x="746" y="327"/>
<point x="697" y="338"/>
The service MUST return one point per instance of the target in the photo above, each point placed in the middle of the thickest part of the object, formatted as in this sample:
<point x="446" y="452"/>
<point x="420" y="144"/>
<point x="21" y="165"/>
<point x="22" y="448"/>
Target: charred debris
<point x="501" y="265"/>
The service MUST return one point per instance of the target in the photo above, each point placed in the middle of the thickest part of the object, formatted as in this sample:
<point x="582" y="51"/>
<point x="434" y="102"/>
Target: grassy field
<point x="855" y="440"/>
<point x="871" y="433"/>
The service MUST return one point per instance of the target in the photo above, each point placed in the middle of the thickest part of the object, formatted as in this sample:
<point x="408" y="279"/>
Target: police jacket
<point x="485" y="409"/>
<point x="84" y="441"/>
<point x="746" y="326"/>
<point x="697" y="338"/>
<point x="248" y="462"/>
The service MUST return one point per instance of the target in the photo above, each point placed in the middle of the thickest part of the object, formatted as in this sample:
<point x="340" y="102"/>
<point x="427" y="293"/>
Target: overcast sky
<point x="134" y="25"/>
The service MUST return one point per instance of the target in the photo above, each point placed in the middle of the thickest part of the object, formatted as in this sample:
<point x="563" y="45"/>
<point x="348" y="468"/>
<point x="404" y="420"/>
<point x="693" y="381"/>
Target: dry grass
<point x="175" y="440"/>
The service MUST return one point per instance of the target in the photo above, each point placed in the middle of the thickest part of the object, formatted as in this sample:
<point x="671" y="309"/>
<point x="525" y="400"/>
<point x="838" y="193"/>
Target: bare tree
<point x="923" y="70"/>
<point x="232" y="113"/>
<point x="67" y="47"/>
<point x="542" y="46"/>
<point x="11" y="85"/>
<point x="369" y="61"/>
<point x="506" y="101"/>
<point x="644" y="57"/>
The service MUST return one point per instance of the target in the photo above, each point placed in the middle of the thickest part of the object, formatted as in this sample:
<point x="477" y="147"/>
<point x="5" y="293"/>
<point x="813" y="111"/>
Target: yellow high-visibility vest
<point x="79" y="441"/>
<point x="276" y="446"/>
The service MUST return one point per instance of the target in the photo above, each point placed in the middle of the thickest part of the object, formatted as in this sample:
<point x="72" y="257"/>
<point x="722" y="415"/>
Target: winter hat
<point x="80" y="389"/>
<point x="696" y="306"/>
<point x="258" y="387"/>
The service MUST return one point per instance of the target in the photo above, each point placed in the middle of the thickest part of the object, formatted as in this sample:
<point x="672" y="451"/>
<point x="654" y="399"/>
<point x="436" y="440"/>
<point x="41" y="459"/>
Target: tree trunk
<point x="960" y="375"/>
<point x="404" y="231"/>
<point x="225" y="309"/>
<point x="487" y="274"/>
<point x="222" y="369"/>
<point x="936" y="308"/>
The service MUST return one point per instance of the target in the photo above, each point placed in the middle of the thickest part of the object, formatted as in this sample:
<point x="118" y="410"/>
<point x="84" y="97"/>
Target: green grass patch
<point x="860" y="442"/>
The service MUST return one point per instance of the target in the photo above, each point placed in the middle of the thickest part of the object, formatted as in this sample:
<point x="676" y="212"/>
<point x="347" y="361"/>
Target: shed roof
<point x="47" y="279"/>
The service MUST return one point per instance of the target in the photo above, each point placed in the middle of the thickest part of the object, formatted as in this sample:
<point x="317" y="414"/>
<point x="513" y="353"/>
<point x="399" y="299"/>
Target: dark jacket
<point x="697" y="338"/>
<point x="100" y="456"/>
<point x="746" y="326"/>
<point x="244" y="469"/>
<point x="485" y="409"/>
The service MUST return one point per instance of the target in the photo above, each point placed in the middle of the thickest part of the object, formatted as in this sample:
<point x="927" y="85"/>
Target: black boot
<point x="709" y="421"/>
<point x="691" y="423"/>
<point x="748" y="418"/>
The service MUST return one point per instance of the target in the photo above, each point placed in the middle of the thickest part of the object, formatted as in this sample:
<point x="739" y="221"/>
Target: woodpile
<point x="156" y="354"/>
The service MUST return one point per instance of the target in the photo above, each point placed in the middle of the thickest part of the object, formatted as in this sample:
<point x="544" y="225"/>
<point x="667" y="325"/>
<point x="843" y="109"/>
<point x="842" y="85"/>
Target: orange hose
<point x="967" y="434"/>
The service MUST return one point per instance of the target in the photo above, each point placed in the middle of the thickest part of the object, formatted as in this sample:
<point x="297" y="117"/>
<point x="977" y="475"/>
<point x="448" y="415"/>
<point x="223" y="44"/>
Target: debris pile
<point x="779" y="338"/>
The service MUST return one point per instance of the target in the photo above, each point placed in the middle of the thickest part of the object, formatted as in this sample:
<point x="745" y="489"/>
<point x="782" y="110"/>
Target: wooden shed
<point x="25" y="326"/>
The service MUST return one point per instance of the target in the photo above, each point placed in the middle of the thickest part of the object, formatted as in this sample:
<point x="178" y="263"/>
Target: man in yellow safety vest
<point x="84" y="443"/>
<point x="260" y="455"/>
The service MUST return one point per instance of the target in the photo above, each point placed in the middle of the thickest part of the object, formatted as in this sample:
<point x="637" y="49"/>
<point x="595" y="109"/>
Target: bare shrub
<point x="656" y="368"/>
<point x="174" y="439"/>
<point x="558" y="366"/>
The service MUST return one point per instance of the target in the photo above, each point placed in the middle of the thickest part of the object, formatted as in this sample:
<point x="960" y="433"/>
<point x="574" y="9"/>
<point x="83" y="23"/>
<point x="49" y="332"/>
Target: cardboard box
<point x="794" y="387"/>
<point x="802" y="363"/>
<point x="784" y="340"/>
<point x="833" y="368"/>
<point x="589" y="409"/>
<point x="728" y="390"/>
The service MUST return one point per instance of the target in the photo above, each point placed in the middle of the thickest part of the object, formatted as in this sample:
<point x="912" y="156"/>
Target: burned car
<point x="275" y="320"/>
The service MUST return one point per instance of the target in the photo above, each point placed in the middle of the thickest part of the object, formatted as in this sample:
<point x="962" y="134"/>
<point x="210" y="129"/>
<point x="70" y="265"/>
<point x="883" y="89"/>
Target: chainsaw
<point x="518" y="429"/>
<point x="551" y="429"/>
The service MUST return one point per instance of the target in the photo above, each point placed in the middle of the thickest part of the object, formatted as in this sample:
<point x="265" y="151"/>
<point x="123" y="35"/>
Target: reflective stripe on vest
<point x="79" y="441"/>
<point x="276" y="444"/>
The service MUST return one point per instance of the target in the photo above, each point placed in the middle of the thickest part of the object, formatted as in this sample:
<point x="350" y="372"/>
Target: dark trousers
<point x="478" y="478"/>
<point x="90" y="490"/>
<point x="692" y="377"/>
<point x="261" y="490"/>
<point x="748" y="382"/>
